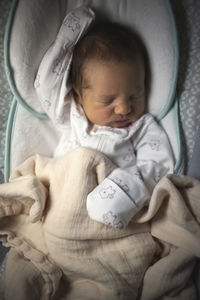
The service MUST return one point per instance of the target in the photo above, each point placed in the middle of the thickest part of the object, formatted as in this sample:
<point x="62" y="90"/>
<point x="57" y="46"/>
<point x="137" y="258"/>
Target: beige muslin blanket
<point x="58" y="252"/>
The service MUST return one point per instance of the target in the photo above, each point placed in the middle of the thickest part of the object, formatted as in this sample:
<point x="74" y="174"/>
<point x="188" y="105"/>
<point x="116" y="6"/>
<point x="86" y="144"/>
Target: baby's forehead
<point x="99" y="64"/>
<point x="108" y="74"/>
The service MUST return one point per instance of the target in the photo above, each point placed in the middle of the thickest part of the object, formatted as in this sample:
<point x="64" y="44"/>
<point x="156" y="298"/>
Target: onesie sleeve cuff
<point x="110" y="205"/>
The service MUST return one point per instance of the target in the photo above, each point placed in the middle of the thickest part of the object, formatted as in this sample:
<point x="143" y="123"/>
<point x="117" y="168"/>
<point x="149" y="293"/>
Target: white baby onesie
<point x="142" y="153"/>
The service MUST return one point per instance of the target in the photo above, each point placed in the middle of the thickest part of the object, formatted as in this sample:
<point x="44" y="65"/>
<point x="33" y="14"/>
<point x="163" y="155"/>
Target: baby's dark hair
<point x="104" y="42"/>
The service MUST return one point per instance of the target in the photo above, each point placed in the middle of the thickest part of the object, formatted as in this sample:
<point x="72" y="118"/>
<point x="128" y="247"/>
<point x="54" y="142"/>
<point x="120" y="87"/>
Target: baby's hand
<point x="110" y="205"/>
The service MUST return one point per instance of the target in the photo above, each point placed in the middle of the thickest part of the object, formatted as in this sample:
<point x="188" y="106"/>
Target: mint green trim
<point x="179" y="165"/>
<point x="172" y="91"/>
<point x="9" y="134"/>
<point x="7" y="65"/>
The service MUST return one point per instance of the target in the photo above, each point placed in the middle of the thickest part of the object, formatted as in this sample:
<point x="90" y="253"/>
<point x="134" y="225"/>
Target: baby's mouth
<point x="121" y="123"/>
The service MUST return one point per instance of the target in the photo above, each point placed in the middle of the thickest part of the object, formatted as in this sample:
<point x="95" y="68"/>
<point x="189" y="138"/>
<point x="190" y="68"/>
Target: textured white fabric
<point x="141" y="152"/>
<point x="31" y="135"/>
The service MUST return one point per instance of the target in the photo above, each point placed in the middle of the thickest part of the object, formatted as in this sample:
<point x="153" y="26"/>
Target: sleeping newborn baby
<point x="107" y="112"/>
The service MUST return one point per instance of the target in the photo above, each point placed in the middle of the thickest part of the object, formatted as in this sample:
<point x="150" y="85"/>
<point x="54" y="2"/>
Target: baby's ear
<point x="76" y="94"/>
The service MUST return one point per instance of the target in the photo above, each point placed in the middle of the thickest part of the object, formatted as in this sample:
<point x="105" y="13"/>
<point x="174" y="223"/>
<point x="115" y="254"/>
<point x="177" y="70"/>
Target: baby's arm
<point x="113" y="203"/>
<point x="126" y="190"/>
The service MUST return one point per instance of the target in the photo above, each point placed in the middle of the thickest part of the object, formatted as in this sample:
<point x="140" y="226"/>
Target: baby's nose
<point x="123" y="107"/>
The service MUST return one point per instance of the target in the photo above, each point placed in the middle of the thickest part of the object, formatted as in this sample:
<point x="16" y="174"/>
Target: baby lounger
<point x="30" y="130"/>
<point x="32" y="29"/>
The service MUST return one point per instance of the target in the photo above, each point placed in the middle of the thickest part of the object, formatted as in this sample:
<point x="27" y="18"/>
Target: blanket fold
<point x="58" y="252"/>
<point x="174" y="212"/>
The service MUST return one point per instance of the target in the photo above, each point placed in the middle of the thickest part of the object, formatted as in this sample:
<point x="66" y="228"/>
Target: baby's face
<point x="113" y="93"/>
